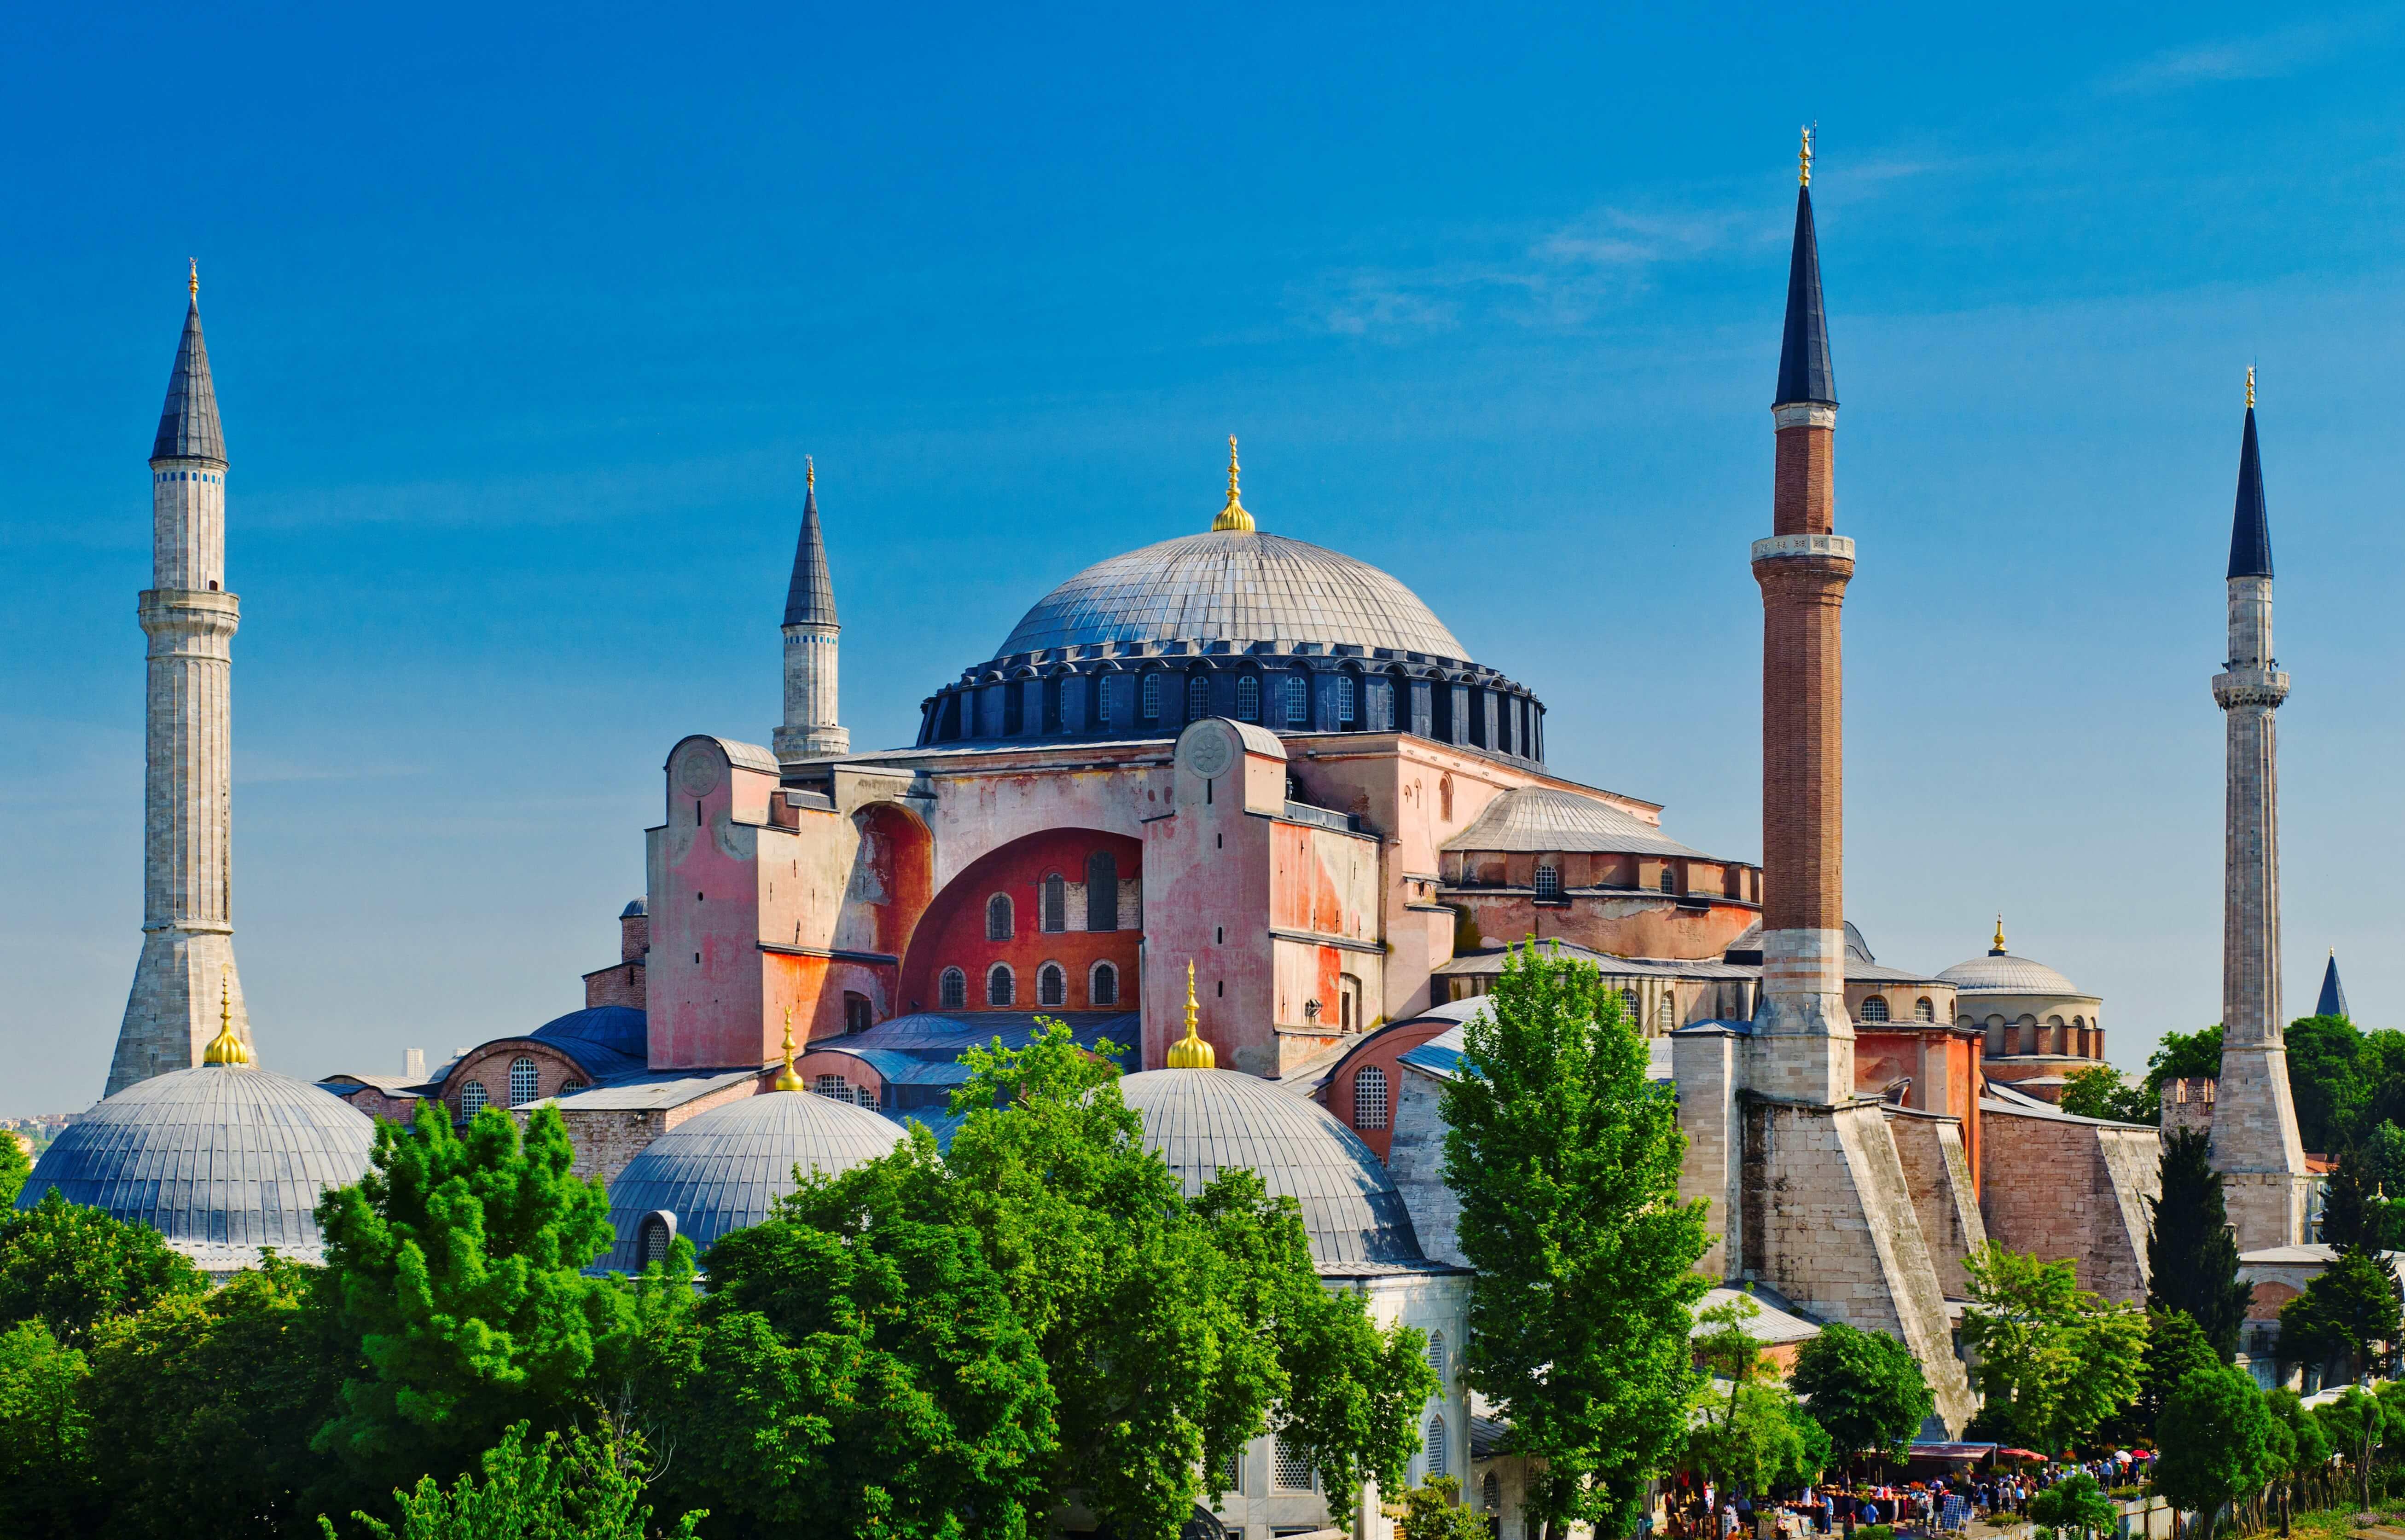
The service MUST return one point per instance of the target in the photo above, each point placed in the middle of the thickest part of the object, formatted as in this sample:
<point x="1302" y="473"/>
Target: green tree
<point x="2305" y="1451"/>
<point x="2053" y="1359"/>
<point x="872" y="1381"/>
<point x="209" y="1402"/>
<point x="2184" y="1055"/>
<point x="2355" y="1426"/>
<point x="15" y="1166"/>
<point x="2176" y="1348"/>
<point x="2099" y="1091"/>
<point x="1433" y="1510"/>
<point x="1565" y="1157"/>
<point x="50" y="1482"/>
<point x="1752" y="1435"/>
<point x="2075" y="1504"/>
<point x="1865" y="1389"/>
<point x="581" y="1487"/>
<point x="2191" y="1253"/>
<point x="2350" y="1307"/>
<point x="2353" y="1213"/>
<point x="2325" y="1079"/>
<point x="456" y="1265"/>
<point x="74" y="1267"/>
<point x="2217" y="1443"/>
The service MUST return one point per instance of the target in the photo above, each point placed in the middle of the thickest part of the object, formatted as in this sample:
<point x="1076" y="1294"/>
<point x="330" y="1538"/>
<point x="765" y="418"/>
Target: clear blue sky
<point x="523" y="319"/>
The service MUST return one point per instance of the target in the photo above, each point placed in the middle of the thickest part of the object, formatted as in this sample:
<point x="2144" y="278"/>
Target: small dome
<point x="2005" y="974"/>
<point x="1201" y="1120"/>
<point x="1233" y="586"/>
<point x="212" y="1158"/>
<point x="1547" y="819"/>
<point x="616" y="1027"/>
<point x="722" y="1170"/>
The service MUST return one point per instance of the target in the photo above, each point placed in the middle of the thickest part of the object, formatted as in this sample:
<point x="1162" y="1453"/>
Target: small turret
<point x="811" y="729"/>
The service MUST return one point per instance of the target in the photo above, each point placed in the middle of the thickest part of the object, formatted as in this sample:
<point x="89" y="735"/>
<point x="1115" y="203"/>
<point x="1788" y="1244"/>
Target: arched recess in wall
<point x="892" y="876"/>
<point x="952" y="933"/>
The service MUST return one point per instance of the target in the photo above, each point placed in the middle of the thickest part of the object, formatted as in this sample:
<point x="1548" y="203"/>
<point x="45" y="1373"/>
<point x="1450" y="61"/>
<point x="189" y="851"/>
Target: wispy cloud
<point x="2262" y="56"/>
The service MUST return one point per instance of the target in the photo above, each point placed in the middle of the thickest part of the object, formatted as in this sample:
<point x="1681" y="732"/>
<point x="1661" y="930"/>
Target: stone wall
<point x="2062" y="1186"/>
<point x="1703" y="1064"/>
<point x="1415" y="1161"/>
<point x="1938" y="1167"/>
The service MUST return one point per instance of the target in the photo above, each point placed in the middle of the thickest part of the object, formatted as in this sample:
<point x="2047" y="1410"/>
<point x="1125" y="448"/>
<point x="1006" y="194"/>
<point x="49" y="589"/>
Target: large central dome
<point x="1233" y="586"/>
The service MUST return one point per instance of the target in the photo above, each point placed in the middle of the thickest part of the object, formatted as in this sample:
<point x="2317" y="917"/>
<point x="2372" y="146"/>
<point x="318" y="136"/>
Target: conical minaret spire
<point x="185" y="991"/>
<point x="810" y="728"/>
<point x="2333" y="996"/>
<point x="2255" y="1142"/>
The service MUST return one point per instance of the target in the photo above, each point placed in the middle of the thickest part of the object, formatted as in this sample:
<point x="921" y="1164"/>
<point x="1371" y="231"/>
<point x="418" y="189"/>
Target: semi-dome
<point x="1200" y="1121"/>
<point x="723" y="1169"/>
<point x="2003" y="974"/>
<point x="1233" y="585"/>
<point x="221" y="1160"/>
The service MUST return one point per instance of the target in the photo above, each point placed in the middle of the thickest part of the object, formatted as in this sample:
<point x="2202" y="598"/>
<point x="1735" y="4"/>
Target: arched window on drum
<point x="1104" y="989"/>
<point x="1198" y="698"/>
<point x="998" y="917"/>
<point x="1875" y="1008"/>
<point x="1370" y="1097"/>
<point x="654" y="1236"/>
<point x="1298" y="701"/>
<point x="1923" y="1011"/>
<point x="1248" y="697"/>
<point x="524" y="1083"/>
<point x="952" y="990"/>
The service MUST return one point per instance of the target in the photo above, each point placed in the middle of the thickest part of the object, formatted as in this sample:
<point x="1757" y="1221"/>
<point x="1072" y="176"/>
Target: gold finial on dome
<point x="196" y="280"/>
<point x="1804" y="159"/>
<point x="786" y="1079"/>
<point x="1191" y="1052"/>
<point x="1233" y="518"/>
<point x="1999" y="948"/>
<point x="225" y="1048"/>
<point x="2250" y="387"/>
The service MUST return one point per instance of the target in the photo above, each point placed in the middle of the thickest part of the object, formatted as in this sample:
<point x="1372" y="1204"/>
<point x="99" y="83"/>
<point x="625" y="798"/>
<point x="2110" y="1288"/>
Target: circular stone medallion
<point x="698" y="774"/>
<point x="1209" y="753"/>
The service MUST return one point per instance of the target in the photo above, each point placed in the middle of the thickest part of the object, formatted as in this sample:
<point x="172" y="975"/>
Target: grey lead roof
<point x="2250" y="529"/>
<point x="188" y="425"/>
<point x="1233" y="586"/>
<point x="1203" y="1121"/>
<point x="2334" y="997"/>
<point x="1805" y="373"/>
<point x="2007" y="974"/>
<point x="810" y="598"/>
<point x="1541" y="817"/>
<point x="216" y="1156"/>
<point x="723" y="1169"/>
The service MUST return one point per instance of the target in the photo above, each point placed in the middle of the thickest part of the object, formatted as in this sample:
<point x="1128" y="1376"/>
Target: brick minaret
<point x="1804" y="1039"/>
<point x="810" y="727"/>
<point x="2255" y="1142"/>
<point x="186" y="974"/>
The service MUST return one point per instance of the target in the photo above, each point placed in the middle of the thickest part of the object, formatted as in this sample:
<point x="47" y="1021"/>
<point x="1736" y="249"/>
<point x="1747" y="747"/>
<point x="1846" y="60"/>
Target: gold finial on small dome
<point x="1233" y="518"/>
<point x="1191" y="1052"/>
<point x="196" y="280"/>
<point x="225" y="1048"/>
<point x="1804" y="159"/>
<point x="1999" y="949"/>
<point x="2250" y="387"/>
<point x="786" y="1079"/>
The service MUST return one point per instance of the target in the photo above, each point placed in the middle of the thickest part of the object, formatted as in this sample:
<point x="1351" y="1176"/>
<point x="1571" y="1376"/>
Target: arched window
<point x="1923" y="1011"/>
<point x="1370" y="1097"/>
<point x="858" y="1015"/>
<point x="523" y="1082"/>
<point x="1436" y="1361"/>
<point x="1001" y="986"/>
<point x="1628" y="1011"/>
<point x="1013" y="708"/>
<point x="1150" y="697"/>
<point x="952" y="990"/>
<point x="1670" y="878"/>
<point x="1104" y="989"/>
<point x="834" y="1087"/>
<point x="1298" y="701"/>
<point x="1436" y="1450"/>
<point x="1549" y="881"/>
<point x="998" y="917"/>
<point x="654" y="1239"/>
<point x="1347" y="690"/>
<point x="1055" y="909"/>
<point x="1198" y="698"/>
<point x="1248" y="697"/>
<point x="1105" y="686"/>
<point x="1490" y="1493"/>
<point x="473" y="1097"/>
<point x="1052" y="985"/>
<point x="866" y="1096"/>
<point x="1875" y="1008"/>
<point x="1101" y="891"/>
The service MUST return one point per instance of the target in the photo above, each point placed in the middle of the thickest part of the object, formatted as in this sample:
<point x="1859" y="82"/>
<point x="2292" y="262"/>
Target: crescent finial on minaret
<point x="1804" y="159"/>
<point x="2250" y="387"/>
<point x="196" y="280"/>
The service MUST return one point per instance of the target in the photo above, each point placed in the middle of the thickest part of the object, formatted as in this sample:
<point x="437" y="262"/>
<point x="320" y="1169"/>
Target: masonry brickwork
<point x="1938" y="1167"/>
<point x="2093" y="1206"/>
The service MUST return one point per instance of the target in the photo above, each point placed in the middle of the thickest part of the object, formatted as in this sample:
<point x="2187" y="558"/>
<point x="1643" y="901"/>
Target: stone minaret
<point x="1804" y="1038"/>
<point x="810" y="727"/>
<point x="2255" y="1142"/>
<point x="185" y="982"/>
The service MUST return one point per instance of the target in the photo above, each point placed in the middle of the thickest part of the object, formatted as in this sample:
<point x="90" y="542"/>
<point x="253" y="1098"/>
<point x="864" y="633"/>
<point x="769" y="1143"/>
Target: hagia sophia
<point x="1287" y="974"/>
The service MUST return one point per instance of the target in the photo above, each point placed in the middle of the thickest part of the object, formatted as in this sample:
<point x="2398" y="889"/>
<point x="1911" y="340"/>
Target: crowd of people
<point x="1692" y="1509"/>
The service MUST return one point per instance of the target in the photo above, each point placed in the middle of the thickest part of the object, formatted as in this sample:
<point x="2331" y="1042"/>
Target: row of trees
<point x="954" y="1347"/>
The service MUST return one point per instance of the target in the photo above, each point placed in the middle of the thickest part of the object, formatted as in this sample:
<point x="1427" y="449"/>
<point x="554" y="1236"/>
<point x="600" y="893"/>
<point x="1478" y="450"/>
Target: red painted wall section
<point x="1944" y="1066"/>
<point x="892" y="877"/>
<point x="952" y="932"/>
<point x="1383" y="1049"/>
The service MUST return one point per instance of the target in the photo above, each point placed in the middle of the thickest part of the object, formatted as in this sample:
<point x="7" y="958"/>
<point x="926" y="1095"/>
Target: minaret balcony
<point x="1836" y="547"/>
<point x="2249" y="687"/>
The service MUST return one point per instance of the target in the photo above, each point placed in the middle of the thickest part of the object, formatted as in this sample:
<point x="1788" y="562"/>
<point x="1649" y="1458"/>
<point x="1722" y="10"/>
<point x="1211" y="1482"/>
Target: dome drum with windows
<point x="1235" y="622"/>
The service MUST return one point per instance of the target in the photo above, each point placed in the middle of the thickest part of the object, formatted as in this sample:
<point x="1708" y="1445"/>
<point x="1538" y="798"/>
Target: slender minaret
<point x="2255" y="1142"/>
<point x="1805" y="1035"/>
<point x="187" y="963"/>
<point x="2334" y="997"/>
<point x="810" y="727"/>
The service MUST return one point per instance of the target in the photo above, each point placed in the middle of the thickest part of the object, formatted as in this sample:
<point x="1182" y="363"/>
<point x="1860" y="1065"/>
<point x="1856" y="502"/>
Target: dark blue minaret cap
<point x="2250" y="533"/>
<point x="188" y="425"/>
<point x="2333" y="1000"/>
<point x="1804" y="372"/>
<point x="810" y="598"/>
